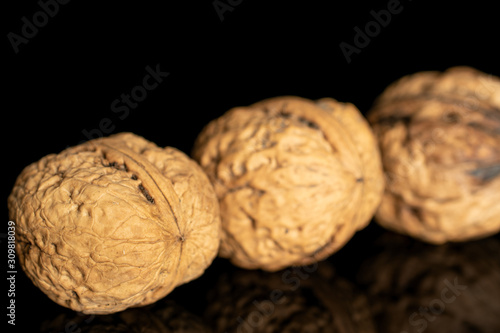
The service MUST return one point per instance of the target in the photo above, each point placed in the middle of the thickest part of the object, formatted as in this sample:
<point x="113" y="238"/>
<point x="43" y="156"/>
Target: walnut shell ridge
<point x="439" y="137"/>
<point x="295" y="179"/>
<point x="113" y="223"/>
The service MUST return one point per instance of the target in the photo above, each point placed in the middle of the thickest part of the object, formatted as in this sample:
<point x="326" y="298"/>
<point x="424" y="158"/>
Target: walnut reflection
<point x="299" y="299"/>
<point x="417" y="287"/>
<point x="163" y="317"/>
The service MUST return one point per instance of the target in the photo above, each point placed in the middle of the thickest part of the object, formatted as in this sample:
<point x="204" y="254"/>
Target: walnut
<point x="298" y="299"/>
<point x="295" y="179"/>
<point x="415" y="287"/>
<point x="163" y="317"/>
<point x="439" y="136"/>
<point x="114" y="223"/>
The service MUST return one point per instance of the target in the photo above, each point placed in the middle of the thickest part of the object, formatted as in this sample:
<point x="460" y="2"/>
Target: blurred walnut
<point x="114" y="223"/>
<point x="295" y="179"/>
<point x="298" y="299"/>
<point x="163" y="317"/>
<point x="415" y="287"/>
<point x="439" y="136"/>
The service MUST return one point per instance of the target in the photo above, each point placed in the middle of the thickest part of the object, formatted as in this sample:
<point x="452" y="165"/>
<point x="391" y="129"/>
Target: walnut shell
<point x="114" y="223"/>
<point x="298" y="299"/>
<point x="439" y="136"/>
<point x="162" y="317"/>
<point x="416" y="287"/>
<point x="295" y="179"/>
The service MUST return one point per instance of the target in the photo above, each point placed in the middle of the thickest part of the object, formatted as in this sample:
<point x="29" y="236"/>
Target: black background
<point x="65" y="78"/>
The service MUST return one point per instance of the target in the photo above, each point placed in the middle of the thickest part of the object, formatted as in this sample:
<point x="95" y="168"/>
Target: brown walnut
<point x="114" y="223"/>
<point x="295" y="179"/>
<point x="439" y="136"/>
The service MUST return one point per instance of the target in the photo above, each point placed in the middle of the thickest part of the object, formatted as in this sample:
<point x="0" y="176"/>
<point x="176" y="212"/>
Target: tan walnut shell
<point x="439" y="137"/>
<point x="114" y="223"/>
<point x="295" y="179"/>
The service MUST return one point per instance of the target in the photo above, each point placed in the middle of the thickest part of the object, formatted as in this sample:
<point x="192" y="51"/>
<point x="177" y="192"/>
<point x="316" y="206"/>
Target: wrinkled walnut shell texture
<point x="114" y="223"/>
<point x="295" y="179"/>
<point x="439" y="136"/>
<point x="288" y="301"/>
<point x="408" y="276"/>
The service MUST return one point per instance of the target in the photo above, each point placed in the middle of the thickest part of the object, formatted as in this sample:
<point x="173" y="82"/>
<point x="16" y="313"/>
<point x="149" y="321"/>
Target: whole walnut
<point x="164" y="316"/>
<point x="414" y="287"/>
<point x="300" y="299"/>
<point x="439" y="136"/>
<point x="295" y="179"/>
<point x="114" y="223"/>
